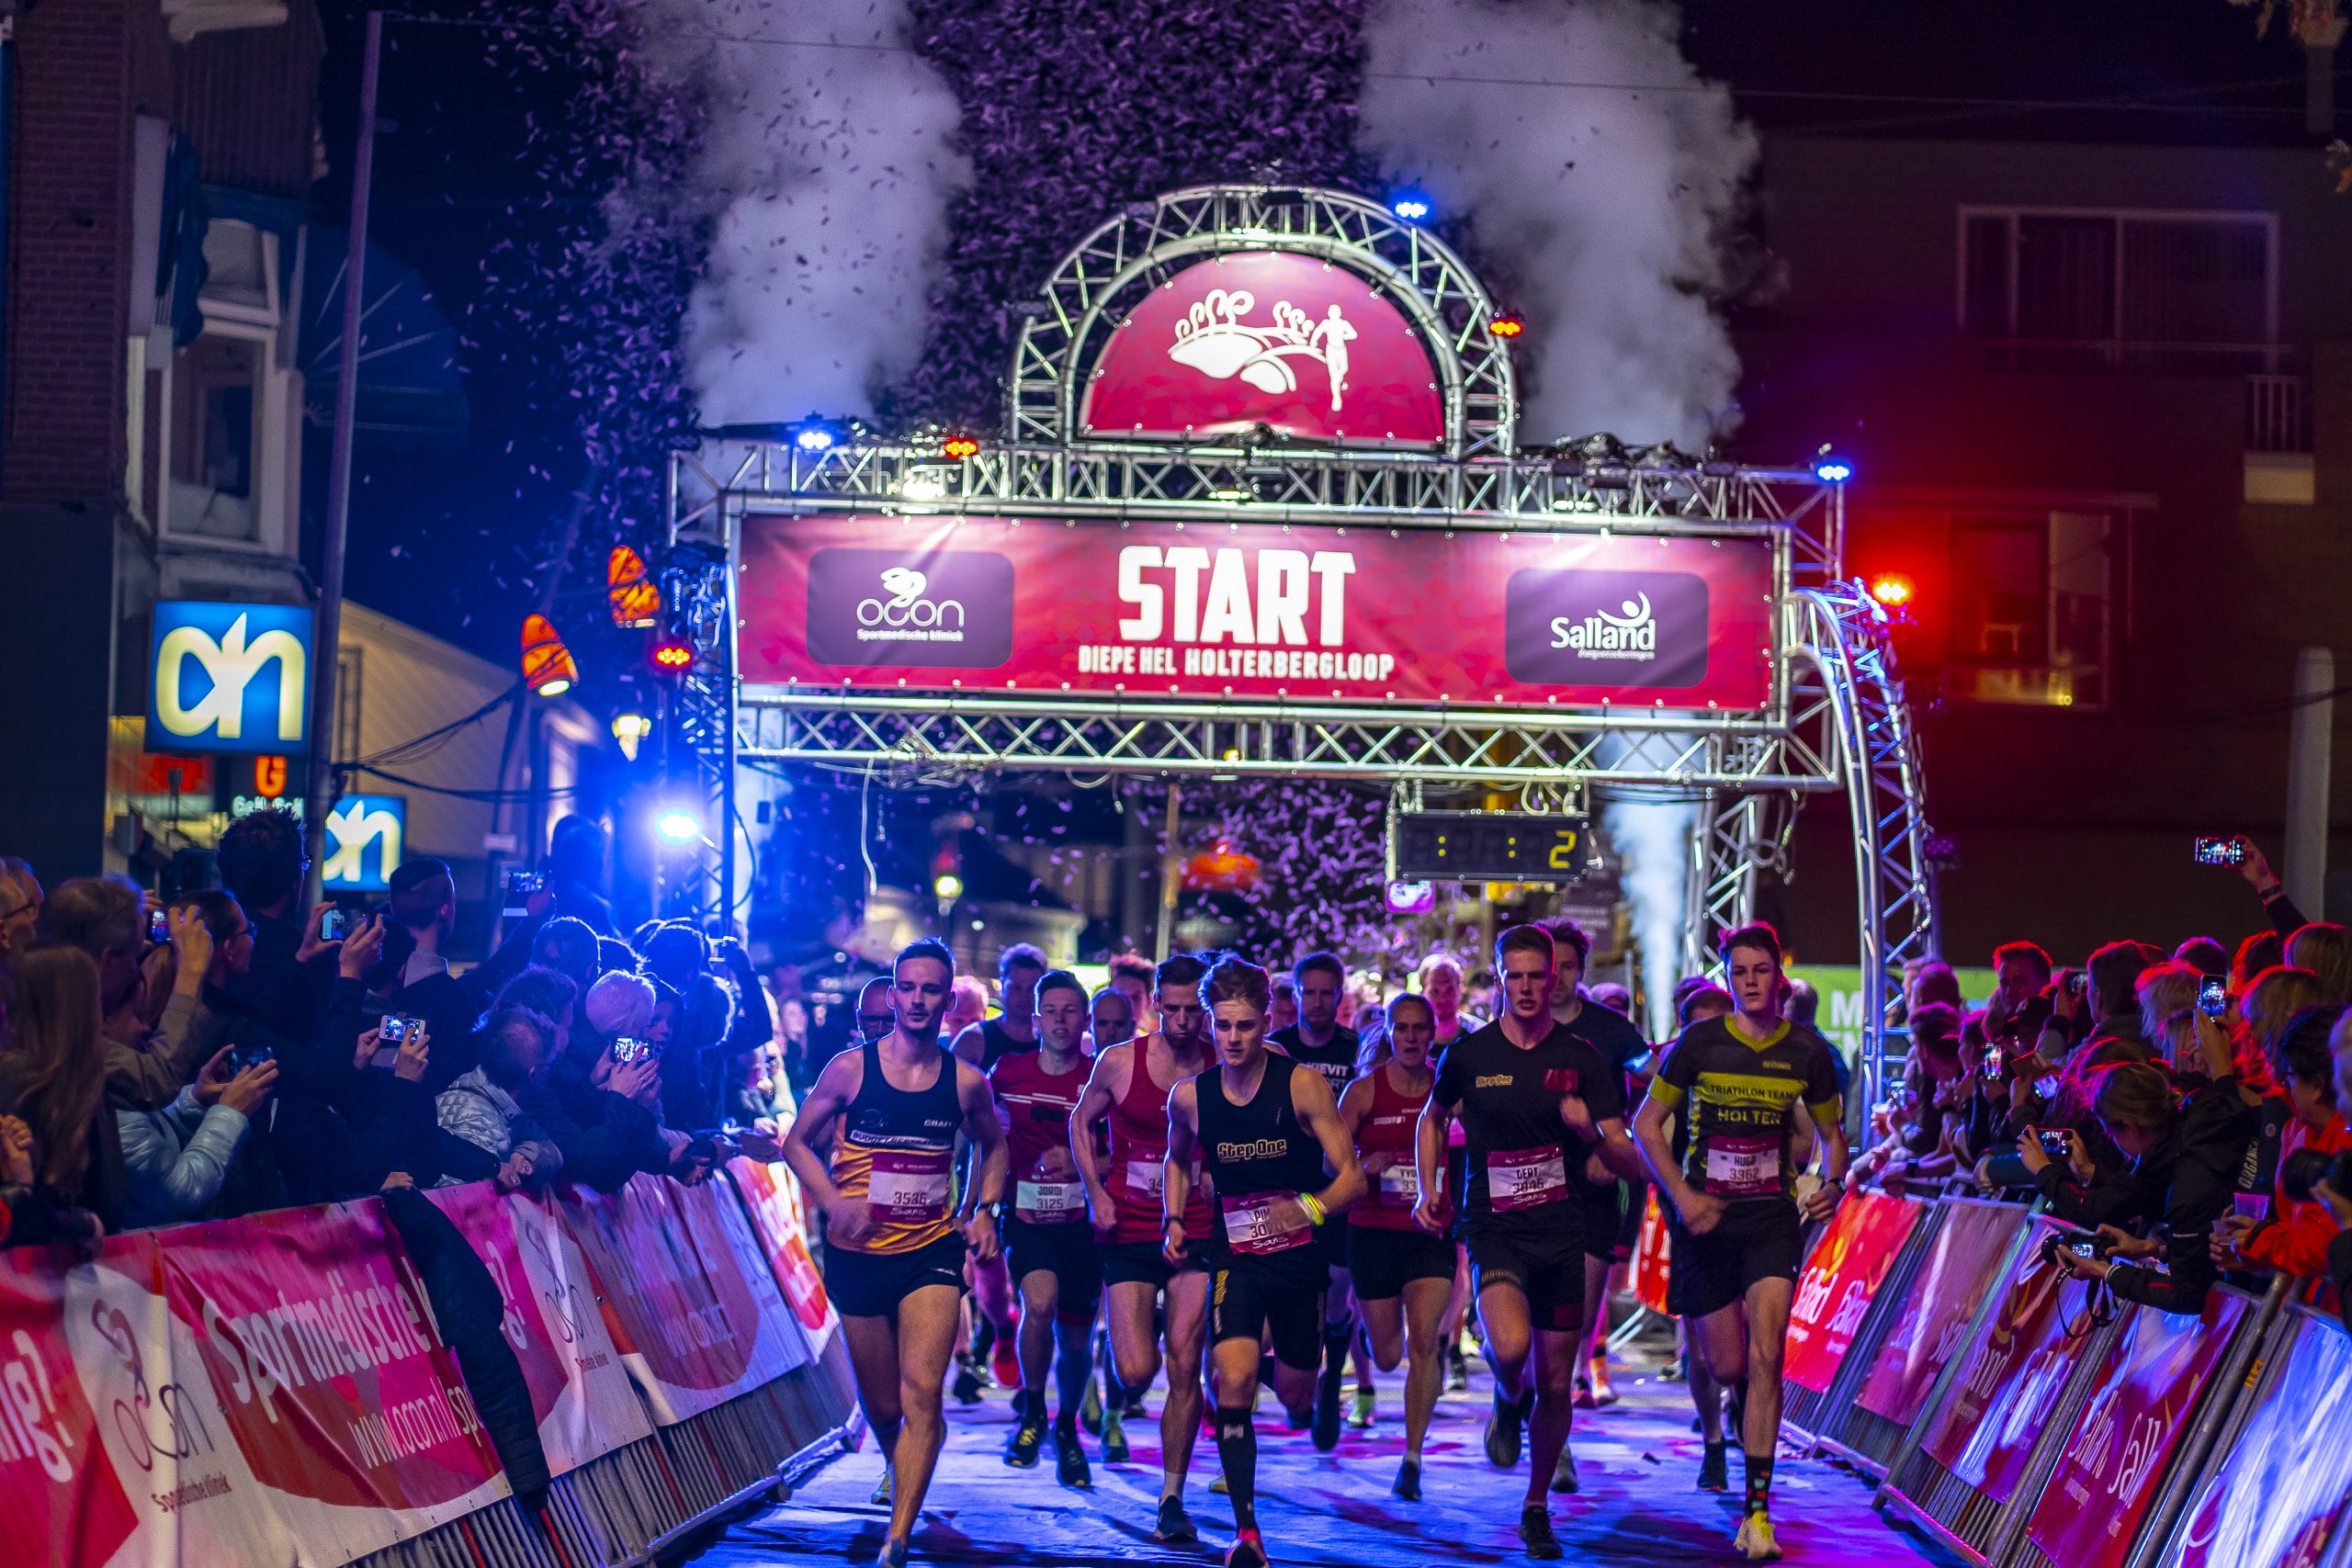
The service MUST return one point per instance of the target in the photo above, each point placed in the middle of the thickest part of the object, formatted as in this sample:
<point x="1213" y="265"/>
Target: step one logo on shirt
<point x="951" y="609"/>
<point x="1629" y="628"/>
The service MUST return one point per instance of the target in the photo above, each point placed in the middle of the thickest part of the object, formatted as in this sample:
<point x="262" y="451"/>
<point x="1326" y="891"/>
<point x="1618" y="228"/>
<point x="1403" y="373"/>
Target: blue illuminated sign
<point x="367" y="837"/>
<point x="229" y="678"/>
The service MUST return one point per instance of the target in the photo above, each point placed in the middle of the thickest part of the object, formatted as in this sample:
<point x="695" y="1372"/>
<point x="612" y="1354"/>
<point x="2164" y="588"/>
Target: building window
<point x="2061" y="289"/>
<point x="2032" y="608"/>
<point x="214" y="382"/>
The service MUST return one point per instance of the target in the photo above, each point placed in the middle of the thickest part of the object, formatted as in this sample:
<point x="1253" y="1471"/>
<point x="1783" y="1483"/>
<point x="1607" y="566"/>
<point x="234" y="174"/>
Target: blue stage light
<point x="1833" y="470"/>
<point x="1410" y="205"/>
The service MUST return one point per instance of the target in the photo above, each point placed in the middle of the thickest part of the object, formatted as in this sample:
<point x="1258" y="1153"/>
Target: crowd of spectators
<point x="216" y="1053"/>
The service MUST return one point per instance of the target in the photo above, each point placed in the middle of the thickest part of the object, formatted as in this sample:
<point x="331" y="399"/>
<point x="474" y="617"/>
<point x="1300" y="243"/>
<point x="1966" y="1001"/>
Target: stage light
<point x="1409" y="205"/>
<point x="958" y="447"/>
<point x="1832" y="471"/>
<point x="923" y="484"/>
<point x="631" y="729"/>
<point x="1509" y="324"/>
<point x="672" y="655"/>
<point x="948" y="886"/>
<point x="636" y="602"/>
<point x="678" y="825"/>
<point x="814" y="436"/>
<point x="547" y="669"/>
<point x="1891" y="590"/>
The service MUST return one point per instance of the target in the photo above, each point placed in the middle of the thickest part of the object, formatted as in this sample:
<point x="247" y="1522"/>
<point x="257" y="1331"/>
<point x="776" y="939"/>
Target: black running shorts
<point x="1380" y="1262"/>
<point x="1548" y="1269"/>
<point x="1604" y="1214"/>
<point x="1272" y="1295"/>
<point x="1756" y="1239"/>
<point x="1142" y="1263"/>
<point x="1068" y="1253"/>
<point x="872" y="1284"/>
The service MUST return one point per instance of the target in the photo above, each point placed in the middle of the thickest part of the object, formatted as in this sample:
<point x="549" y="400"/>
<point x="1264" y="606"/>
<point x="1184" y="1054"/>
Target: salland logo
<point x="357" y="824"/>
<point x="229" y="678"/>
<point x="931" y="609"/>
<point x="1212" y="338"/>
<point x="1631" y="633"/>
<point x="1641" y="629"/>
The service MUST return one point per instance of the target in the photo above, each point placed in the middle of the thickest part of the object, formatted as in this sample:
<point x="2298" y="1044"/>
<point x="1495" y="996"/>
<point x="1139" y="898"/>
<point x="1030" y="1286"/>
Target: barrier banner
<point x="1926" y="1332"/>
<point x="2280" y="1492"/>
<point x="1840" y="1280"/>
<point x="694" y="1327"/>
<point x="1652" y="1249"/>
<point x="2090" y="1509"/>
<point x="2009" y="1380"/>
<point x="771" y="1193"/>
<point x="59" y="1488"/>
<point x="722" y="1230"/>
<point x="579" y="1393"/>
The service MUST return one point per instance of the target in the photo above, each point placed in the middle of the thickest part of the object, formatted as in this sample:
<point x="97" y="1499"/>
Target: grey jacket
<point x="174" y="1159"/>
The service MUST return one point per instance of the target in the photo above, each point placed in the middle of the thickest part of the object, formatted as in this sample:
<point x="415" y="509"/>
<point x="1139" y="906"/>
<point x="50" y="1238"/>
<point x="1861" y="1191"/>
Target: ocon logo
<point x="905" y="615"/>
<point x="358" y="824"/>
<point x="1632" y="633"/>
<point x="229" y="678"/>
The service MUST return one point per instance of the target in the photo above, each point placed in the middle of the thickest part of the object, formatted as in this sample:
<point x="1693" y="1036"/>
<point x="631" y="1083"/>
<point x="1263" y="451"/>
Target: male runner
<point x="1439" y="977"/>
<point x="1524" y="1087"/>
<point x="874" y="1015"/>
<point x="1321" y="1042"/>
<point x="1129" y="1088"/>
<point x="1620" y="1045"/>
<point x="1263" y="1128"/>
<point x="1132" y="975"/>
<point x="1403" y="1275"/>
<point x="895" y="1250"/>
<point x="1111" y="1019"/>
<point x="1738" y="1081"/>
<point x="1055" y="1264"/>
<point x="984" y="1044"/>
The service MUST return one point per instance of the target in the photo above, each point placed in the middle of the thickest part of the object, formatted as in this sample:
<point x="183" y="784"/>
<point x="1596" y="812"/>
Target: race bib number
<point x="1520" y="1179"/>
<point x="1250" y="1226"/>
<point x="1744" y="1167"/>
<point x="1048" y="1202"/>
<point x="909" y="1188"/>
<point x="1147" y="1180"/>
<point x="1400" y="1187"/>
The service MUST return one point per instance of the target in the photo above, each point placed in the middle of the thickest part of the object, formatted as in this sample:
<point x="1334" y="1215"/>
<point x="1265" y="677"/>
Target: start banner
<point x="1135" y="610"/>
<point x="1957" y="1269"/>
<point x="2280" y="1493"/>
<point x="772" y="1194"/>
<point x="1841" y="1278"/>
<point x="2090" y="1508"/>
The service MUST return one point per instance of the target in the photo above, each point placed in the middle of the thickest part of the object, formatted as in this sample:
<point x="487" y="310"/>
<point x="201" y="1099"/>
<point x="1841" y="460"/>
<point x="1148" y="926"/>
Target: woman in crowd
<point x="2322" y="948"/>
<point x="2166" y="993"/>
<point x="2278" y="1232"/>
<point x="52" y="1078"/>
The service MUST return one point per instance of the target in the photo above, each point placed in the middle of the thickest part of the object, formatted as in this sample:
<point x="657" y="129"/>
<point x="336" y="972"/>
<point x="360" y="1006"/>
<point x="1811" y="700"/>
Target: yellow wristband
<point x="1315" y="1211"/>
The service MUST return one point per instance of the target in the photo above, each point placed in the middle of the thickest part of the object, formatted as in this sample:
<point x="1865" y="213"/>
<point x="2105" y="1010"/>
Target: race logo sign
<point x="1630" y="628"/>
<point x="949" y="609"/>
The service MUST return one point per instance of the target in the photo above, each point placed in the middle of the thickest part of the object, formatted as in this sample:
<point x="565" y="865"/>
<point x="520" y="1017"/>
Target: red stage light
<point x="635" y="601"/>
<point x="960" y="447"/>
<point x="672" y="656"/>
<point x="547" y="668"/>
<point x="1509" y="324"/>
<point x="1891" y="590"/>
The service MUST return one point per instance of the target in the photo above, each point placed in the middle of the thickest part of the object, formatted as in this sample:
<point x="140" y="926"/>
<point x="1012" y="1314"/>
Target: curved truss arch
<point x="1105" y="274"/>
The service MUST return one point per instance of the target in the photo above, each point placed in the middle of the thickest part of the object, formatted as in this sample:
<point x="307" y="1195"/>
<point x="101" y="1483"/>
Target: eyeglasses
<point x="11" y="912"/>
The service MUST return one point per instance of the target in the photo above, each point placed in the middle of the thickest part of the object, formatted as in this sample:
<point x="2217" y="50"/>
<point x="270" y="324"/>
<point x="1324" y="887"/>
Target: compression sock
<point x="1236" y="1448"/>
<point x="1759" y="1483"/>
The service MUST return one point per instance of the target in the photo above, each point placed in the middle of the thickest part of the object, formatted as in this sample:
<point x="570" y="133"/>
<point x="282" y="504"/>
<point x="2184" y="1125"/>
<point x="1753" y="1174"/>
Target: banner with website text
<point x="1137" y="610"/>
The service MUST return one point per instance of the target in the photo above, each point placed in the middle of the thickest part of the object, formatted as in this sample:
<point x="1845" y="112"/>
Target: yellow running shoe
<point x="1754" y="1539"/>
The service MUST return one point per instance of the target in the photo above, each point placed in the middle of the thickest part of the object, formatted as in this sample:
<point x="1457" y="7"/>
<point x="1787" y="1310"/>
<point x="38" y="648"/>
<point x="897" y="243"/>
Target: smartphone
<point x="2221" y="852"/>
<point x="2087" y="1249"/>
<point x="397" y="1028"/>
<point x="335" y="924"/>
<point x="521" y="885"/>
<point x="2212" y="998"/>
<point x="244" y="1056"/>
<point x="2076" y="981"/>
<point x="628" y="1048"/>
<point x="159" y="927"/>
<point x="2054" y="1144"/>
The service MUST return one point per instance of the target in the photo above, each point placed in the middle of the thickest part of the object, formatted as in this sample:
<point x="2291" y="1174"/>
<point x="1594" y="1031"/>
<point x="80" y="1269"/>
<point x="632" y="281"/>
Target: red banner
<point x="59" y="1489"/>
<point x="1840" y="1280"/>
<point x="2281" y="1491"/>
<point x="2091" y="1507"/>
<point x="772" y="1194"/>
<point x="1652" y="1250"/>
<point x="1933" y="1319"/>
<point x="2008" y="1380"/>
<point x="1306" y="613"/>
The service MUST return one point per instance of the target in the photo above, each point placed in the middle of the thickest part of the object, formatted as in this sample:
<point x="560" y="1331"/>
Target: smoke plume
<point x="1653" y="840"/>
<point x="1593" y="163"/>
<point x="823" y="170"/>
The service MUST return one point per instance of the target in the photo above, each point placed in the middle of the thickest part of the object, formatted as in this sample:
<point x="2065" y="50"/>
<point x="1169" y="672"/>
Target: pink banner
<point x="1840" y="1280"/>
<point x="695" y="1327"/>
<point x="2281" y="1493"/>
<point x="1952" y="1279"/>
<point x="580" y="1392"/>
<point x="772" y="1194"/>
<point x="59" y="1489"/>
<point x="2008" y="1380"/>
<point x="2091" y="1507"/>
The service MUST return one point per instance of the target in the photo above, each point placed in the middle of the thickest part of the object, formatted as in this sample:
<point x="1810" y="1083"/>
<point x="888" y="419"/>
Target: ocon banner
<point x="2280" y="1492"/>
<point x="1142" y="610"/>
<point x="1840" y="1280"/>
<point x="1933" y="1319"/>
<point x="771" y="1195"/>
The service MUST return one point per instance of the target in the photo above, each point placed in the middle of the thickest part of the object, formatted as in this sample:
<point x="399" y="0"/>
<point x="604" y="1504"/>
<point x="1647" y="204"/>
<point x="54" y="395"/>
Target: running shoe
<point x="1457" y="1371"/>
<point x="1582" y="1398"/>
<point x="894" y="1555"/>
<point x="881" y="1498"/>
<point x="1176" y="1527"/>
<point x="1360" y="1414"/>
<point x="1714" y="1468"/>
<point x="1070" y="1458"/>
<point x="1297" y="1420"/>
<point x="1006" y="1363"/>
<point x="1247" y="1551"/>
<point x="967" y="1382"/>
<point x="1327" y="1412"/>
<point x="1564" y="1474"/>
<point x="1218" y="1487"/>
<point x="1409" y="1481"/>
<point x="1028" y="1437"/>
<point x="1535" y="1530"/>
<point x="1604" y="1392"/>
<point x="1089" y="1409"/>
<point x="1503" y="1432"/>
<point x="1754" y="1539"/>
<point x="1114" y="1439"/>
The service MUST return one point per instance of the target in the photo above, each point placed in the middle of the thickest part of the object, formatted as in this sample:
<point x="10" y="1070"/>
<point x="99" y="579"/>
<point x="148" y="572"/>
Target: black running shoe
<point x="1029" y="1437"/>
<point x="1535" y="1530"/>
<point x="1114" y="1439"/>
<point x="1247" y="1551"/>
<point x="1409" y="1481"/>
<point x="1564" y="1474"/>
<point x="1070" y="1458"/>
<point x="1176" y="1528"/>
<point x="1503" y="1432"/>
<point x="1327" y="1411"/>
<point x="967" y="1383"/>
<point x="1714" y="1468"/>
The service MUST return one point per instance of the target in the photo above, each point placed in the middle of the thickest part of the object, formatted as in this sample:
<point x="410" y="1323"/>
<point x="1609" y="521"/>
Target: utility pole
<point x="326" y="645"/>
<point x="2310" y="737"/>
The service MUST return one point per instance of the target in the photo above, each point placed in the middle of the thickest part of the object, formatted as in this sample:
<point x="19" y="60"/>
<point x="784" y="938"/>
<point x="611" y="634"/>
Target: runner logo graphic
<point x="1213" y="340"/>
<point x="1605" y="629"/>
<point x="875" y="609"/>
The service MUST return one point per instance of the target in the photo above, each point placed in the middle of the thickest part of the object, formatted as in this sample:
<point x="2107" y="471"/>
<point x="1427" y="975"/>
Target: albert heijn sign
<point x="232" y="678"/>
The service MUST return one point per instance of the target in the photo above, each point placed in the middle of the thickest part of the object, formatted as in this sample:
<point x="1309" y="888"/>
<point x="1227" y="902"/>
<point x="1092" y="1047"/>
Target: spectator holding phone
<point x="175" y="1160"/>
<point x="106" y="918"/>
<point x="480" y="1107"/>
<point x="285" y="982"/>
<point x="2166" y="993"/>
<point x="2281" y="1232"/>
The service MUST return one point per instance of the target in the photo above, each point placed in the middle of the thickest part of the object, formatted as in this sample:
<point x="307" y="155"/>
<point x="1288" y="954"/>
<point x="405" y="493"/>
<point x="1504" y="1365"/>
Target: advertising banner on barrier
<point x="1928" y="1329"/>
<point x="772" y="1194"/>
<point x="1143" y="611"/>
<point x="2281" y="1491"/>
<point x="1651" y="1253"/>
<point x="1841" y="1278"/>
<point x="2008" y="1380"/>
<point x="2089" y="1511"/>
<point x="59" y="1491"/>
<point x="693" y="1326"/>
<point x="579" y="1393"/>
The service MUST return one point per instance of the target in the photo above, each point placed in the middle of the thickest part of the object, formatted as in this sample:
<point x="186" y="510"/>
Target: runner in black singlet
<point x="1011" y="1032"/>
<point x="1263" y="1129"/>
<point x="1320" y="1041"/>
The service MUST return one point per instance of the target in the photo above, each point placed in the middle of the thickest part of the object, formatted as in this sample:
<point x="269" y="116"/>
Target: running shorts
<point x="1068" y="1253"/>
<point x="1604" y="1215"/>
<point x="1756" y="1239"/>
<point x="1252" y="1295"/>
<point x="1382" y="1262"/>
<point x="1142" y="1263"/>
<point x="1548" y="1271"/>
<point x="872" y="1284"/>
